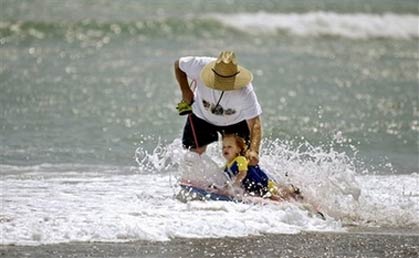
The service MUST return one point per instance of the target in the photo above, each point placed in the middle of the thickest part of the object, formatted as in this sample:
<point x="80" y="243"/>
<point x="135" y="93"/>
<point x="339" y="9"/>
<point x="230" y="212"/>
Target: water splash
<point x="328" y="179"/>
<point x="162" y="158"/>
<point x="62" y="203"/>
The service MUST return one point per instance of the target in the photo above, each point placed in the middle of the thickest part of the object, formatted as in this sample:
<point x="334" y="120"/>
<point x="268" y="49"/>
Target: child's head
<point x="233" y="146"/>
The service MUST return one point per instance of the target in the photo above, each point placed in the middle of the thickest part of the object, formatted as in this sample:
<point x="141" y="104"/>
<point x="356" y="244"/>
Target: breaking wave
<point x="218" y="25"/>
<point x="354" y="26"/>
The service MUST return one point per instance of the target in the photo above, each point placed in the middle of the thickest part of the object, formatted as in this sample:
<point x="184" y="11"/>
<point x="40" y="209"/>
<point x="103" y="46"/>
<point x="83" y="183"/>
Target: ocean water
<point x="90" y="138"/>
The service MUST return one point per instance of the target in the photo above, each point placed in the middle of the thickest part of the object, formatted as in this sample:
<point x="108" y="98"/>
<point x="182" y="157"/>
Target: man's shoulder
<point x="196" y="59"/>
<point x="194" y="64"/>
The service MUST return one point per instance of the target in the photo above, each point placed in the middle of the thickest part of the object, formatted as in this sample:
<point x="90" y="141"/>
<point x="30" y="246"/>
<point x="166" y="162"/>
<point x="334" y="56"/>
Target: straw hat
<point x="225" y="74"/>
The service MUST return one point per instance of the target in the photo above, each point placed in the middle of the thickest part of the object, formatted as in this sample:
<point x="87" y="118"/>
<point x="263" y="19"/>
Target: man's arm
<point x="255" y="127"/>
<point x="182" y="79"/>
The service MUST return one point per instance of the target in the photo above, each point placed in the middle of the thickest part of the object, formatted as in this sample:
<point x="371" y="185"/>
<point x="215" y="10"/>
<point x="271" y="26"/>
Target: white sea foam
<point x="354" y="26"/>
<point x="135" y="207"/>
<point x="54" y="203"/>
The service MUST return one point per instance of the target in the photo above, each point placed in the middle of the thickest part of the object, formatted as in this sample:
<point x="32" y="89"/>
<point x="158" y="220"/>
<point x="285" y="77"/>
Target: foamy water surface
<point x="62" y="203"/>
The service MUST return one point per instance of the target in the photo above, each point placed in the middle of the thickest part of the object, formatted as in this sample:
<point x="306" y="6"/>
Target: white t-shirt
<point x="234" y="106"/>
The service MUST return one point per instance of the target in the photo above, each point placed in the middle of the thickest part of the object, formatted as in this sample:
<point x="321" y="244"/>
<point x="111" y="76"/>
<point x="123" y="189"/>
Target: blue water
<point x="90" y="82"/>
<point x="90" y="137"/>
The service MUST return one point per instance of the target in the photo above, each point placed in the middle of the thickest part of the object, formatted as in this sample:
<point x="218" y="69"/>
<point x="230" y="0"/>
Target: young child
<point x="252" y="179"/>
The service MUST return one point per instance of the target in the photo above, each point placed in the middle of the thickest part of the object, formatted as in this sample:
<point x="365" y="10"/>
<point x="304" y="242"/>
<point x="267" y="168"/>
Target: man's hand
<point x="184" y="108"/>
<point x="255" y="127"/>
<point x="253" y="157"/>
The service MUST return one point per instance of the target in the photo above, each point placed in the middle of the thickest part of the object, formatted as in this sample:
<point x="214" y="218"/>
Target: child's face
<point x="230" y="148"/>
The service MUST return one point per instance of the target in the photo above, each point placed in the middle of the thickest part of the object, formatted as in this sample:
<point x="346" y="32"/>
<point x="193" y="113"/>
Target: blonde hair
<point x="240" y="142"/>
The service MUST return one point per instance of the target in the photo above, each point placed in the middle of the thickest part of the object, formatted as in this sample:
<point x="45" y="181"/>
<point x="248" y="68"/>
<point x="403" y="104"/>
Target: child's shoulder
<point x="241" y="158"/>
<point x="241" y="161"/>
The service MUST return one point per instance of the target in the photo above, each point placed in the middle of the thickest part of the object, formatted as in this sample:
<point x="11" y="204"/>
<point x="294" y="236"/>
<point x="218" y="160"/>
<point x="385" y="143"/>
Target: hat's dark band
<point x="225" y="76"/>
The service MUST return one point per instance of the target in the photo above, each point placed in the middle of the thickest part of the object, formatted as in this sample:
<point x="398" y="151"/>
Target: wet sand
<point x="306" y="244"/>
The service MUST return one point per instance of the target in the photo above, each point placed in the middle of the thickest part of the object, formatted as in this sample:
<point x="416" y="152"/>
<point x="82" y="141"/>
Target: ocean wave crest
<point x="216" y="25"/>
<point x="354" y="26"/>
<point x="93" y="32"/>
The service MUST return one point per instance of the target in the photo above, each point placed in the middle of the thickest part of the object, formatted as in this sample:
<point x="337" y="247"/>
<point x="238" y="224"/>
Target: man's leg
<point x="197" y="134"/>
<point x="199" y="170"/>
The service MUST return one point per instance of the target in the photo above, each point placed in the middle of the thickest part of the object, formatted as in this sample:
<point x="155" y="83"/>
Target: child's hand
<point x="237" y="189"/>
<point x="234" y="190"/>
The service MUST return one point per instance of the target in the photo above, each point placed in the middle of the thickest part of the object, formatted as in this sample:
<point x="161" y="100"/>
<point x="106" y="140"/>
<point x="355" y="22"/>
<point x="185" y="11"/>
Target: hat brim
<point x="211" y="80"/>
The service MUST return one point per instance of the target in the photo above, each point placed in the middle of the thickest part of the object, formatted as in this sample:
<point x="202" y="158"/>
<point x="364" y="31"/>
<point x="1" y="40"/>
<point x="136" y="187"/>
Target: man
<point x="223" y="101"/>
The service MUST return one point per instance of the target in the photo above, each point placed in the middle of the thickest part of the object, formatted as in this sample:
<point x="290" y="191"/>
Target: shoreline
<point x="305" y="244"/>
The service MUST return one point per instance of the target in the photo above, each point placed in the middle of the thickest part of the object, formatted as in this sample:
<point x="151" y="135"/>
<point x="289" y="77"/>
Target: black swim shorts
<point x="206" y="133"/>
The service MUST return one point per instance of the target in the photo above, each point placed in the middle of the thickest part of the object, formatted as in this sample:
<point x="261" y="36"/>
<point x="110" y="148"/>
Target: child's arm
<point x="240" y="177"/>
<point x="242" y="164"/>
